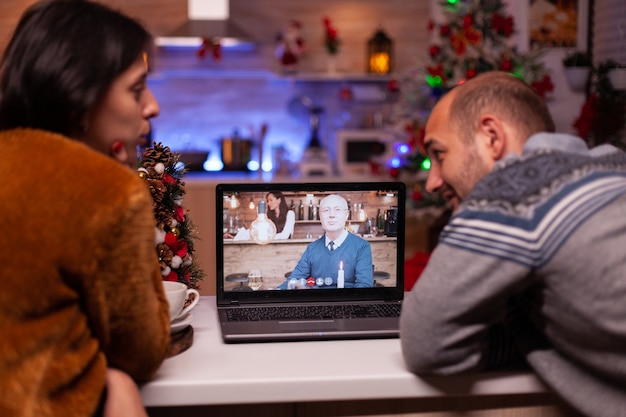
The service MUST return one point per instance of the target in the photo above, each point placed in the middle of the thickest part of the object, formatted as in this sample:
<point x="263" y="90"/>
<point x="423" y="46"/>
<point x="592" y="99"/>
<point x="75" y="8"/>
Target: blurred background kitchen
<point x="241" y="84"/>
<point x="341" y="89"/>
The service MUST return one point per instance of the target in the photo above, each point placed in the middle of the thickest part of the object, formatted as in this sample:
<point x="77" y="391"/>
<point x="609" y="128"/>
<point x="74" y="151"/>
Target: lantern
<point x="379" y="53"/>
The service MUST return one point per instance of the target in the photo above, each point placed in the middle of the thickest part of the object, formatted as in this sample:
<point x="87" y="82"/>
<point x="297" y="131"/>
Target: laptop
<point x="309" y="290"/>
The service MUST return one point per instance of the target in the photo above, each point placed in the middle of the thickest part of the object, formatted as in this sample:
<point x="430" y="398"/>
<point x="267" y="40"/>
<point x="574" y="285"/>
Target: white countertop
<point x="211" y="372"/>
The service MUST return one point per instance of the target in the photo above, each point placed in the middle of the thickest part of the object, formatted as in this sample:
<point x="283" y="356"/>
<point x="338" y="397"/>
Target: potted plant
<point x="578" y="66"/>
<point x="616" y="74"/>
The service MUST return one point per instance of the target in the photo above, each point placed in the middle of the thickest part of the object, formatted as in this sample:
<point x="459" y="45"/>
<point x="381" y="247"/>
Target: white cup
<point x="177" y="294"/>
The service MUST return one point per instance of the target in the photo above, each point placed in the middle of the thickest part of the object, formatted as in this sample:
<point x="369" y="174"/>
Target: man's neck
<point x="334" y="235"/>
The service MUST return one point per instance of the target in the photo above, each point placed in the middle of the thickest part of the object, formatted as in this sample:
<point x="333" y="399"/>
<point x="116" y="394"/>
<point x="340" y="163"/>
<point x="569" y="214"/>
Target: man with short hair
<point x="533" y="261"/>
<point x="338" y="250"/>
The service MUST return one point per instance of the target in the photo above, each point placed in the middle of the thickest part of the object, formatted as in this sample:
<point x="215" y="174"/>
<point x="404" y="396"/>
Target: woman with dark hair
<point x="279" y="213"/>
<point x="82" y="307"/>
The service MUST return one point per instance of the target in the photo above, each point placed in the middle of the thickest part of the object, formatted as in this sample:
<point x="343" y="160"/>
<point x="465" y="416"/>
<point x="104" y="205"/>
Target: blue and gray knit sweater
<point x="533" y="262"/>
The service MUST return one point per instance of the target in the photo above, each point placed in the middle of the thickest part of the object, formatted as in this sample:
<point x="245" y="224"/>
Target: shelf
<point x="337" y="76"/>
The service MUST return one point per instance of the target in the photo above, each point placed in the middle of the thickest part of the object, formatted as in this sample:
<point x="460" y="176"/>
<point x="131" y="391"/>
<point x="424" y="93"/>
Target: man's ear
<point x="494" y="134"/>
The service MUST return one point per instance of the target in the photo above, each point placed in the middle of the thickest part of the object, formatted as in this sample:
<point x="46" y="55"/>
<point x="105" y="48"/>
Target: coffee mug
<point x="177" y="294"/>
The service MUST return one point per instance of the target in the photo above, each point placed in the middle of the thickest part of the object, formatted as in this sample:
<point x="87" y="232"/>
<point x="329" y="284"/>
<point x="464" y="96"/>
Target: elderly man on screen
<point x="338" y="259"/>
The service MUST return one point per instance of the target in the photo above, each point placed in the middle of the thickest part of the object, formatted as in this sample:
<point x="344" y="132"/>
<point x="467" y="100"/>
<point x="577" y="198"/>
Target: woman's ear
<point x="493" y="131"/>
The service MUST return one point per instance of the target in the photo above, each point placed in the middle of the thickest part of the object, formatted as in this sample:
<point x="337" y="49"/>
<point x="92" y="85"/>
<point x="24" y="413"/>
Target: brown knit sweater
<point x="80" y="287"/>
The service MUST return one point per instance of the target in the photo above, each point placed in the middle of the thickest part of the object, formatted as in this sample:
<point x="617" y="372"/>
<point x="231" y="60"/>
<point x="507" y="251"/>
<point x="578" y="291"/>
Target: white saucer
<point x="180" y="323"/>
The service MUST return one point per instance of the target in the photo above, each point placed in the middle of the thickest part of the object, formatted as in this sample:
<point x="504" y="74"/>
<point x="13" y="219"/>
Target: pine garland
<point x="163" y="171"/>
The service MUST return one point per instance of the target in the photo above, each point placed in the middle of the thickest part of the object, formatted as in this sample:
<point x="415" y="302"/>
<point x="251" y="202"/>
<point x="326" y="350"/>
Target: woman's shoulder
<point x="61" y="161"/>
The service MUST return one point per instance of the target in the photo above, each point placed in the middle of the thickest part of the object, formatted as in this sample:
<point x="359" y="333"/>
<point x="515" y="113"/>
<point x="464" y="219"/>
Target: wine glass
<point x="255" y="279"/>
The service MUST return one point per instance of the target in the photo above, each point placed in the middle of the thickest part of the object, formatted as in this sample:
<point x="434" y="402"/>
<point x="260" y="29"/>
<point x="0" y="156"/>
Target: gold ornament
<point x="143" y="175"/>
<point x="175" y="231"/>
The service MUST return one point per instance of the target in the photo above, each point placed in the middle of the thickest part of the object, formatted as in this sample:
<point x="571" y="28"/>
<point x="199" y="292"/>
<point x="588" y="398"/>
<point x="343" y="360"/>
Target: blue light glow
<point x="403" y="149"/>
<point x="267" y="166"/>
<point x="253" y="166"/>
<point x="395" y="162"/>
<point x="213" y="163"/>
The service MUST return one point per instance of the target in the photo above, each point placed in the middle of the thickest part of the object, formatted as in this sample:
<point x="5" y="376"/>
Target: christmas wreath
<point x="162" y="171"/>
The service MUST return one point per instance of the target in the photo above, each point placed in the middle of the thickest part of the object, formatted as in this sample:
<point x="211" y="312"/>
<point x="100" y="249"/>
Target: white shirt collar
<point x="339" y="241"/>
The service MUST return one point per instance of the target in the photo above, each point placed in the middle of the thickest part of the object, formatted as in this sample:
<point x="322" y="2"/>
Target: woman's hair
<point x="279" y="220"/>
<point x="504" y="95"/>
<point x="61" y="60"/>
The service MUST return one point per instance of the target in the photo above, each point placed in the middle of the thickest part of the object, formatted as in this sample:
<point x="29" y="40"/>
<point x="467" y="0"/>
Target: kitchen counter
<point x="312" y="378"/>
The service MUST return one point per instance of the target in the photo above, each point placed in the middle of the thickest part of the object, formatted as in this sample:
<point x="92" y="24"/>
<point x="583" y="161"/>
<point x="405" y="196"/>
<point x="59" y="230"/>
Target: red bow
<point x="460" y="40"/>
<point x="543" y="86"/>
<point x="502" y="25"/>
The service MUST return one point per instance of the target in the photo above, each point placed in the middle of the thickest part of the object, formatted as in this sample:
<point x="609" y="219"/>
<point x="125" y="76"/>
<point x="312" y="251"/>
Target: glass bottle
<point x="380" y="221"/>
<point x="316" y="211"/>
<point x="301" y="211"/>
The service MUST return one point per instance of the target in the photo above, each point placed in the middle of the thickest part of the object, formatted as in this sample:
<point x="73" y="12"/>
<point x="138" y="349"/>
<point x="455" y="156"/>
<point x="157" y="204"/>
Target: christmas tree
<point x="163" y="171"/>
<point x="476" y="37"/>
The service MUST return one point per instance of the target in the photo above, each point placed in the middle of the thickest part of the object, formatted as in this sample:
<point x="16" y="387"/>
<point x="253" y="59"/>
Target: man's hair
<point x="336" y="196"/>
<point x="61" y="60"/>
<point x="502" y="95"/>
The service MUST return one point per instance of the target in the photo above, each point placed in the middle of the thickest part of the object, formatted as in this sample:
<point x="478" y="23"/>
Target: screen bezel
<point x="385" y="293"/>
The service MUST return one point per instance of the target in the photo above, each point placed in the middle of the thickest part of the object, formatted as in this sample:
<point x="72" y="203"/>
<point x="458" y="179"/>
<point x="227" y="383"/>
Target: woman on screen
<point x="279" y="213"/>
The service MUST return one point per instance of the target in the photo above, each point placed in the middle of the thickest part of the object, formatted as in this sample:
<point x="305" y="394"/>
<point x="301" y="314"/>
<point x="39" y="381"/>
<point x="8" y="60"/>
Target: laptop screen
<point x="310" y="240"/>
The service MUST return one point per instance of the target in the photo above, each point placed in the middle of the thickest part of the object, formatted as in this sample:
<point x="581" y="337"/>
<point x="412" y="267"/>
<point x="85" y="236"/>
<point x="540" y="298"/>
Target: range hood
<point x="207" y="19"/>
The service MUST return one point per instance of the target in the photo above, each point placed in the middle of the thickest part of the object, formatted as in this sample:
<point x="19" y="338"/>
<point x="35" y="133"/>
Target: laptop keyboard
<point x="323" y="312"/>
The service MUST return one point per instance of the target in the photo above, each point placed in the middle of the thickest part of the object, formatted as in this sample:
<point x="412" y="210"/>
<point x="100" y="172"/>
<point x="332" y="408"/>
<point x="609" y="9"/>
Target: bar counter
<point x="350" y="377"/>
<point x="244" y="255"/>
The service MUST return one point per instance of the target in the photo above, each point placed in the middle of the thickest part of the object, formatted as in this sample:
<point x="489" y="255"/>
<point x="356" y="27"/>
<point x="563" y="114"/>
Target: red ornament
<point x="434" y="51"/>
<point x="394" y="172"/>
<point x="392" y="86"/>
<point x="470" y="73"/>
<point x="172" y="276"/>
<point x="345" y="93"/>
<point x="584" y="123"/>
<point x="179" y="213"/>
<point x="437" y="71"/>
<point x="216" y="51"/>
<point x="209" y="45"/>
<point x="506" y="65"/>
<point x="468" y="20"/>
<point x="416" y="195"/>
<point x="444" y="30"/>
<point x="543" y="86"/>
<point x="168" y="179"/>
<point x="170" y="239"/>
<point x="502" y="25"/>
